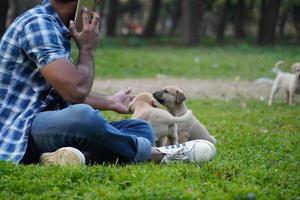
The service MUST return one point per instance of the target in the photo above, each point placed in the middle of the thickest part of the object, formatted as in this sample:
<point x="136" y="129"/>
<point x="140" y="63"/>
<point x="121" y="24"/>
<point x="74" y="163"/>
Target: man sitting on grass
<point x="46" y="103"/>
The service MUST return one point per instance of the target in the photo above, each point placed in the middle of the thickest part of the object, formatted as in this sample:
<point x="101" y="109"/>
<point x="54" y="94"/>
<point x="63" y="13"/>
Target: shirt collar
<point x="51" y="11"/>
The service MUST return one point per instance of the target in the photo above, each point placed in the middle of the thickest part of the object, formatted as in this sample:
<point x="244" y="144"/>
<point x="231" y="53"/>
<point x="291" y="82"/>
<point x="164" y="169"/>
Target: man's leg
<point x="84" y="128"/>
<point x="137" y="127"/>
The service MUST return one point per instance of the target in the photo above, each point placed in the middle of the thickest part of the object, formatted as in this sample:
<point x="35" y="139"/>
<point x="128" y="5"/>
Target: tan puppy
<point x="286" y="81"/>
<point x="144" y="106"/>
<point x="173" y="98"/>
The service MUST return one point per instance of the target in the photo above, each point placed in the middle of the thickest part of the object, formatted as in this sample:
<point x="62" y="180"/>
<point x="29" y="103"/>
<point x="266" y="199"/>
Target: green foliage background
<point x="136" y="58"/>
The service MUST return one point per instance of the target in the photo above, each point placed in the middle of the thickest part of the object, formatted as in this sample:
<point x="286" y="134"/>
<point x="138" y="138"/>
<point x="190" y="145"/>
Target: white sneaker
<point x="63" y="156"/>
<point x="191" y="151"/>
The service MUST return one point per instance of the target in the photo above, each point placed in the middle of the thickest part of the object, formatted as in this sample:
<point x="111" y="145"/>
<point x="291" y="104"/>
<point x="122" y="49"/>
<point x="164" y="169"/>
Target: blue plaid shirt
<point x="35" y="39"/>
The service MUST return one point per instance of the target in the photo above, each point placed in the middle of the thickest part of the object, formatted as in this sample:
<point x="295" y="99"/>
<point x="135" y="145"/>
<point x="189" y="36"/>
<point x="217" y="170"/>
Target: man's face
<point x="70" y="6"/>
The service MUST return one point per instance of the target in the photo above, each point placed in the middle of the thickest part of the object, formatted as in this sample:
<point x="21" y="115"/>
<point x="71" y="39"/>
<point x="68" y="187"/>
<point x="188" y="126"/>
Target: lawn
<point x="258" y="150"/>
<point x="227" y="62"/>
<point x="258" y="158"/>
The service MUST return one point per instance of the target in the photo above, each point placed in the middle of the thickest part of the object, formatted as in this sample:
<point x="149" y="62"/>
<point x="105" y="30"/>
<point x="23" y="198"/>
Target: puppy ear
<point x="294" y="66"/>
<point x="180" y="97"/>
<point x="154" y="103"/>
<point x="130" y="107"/>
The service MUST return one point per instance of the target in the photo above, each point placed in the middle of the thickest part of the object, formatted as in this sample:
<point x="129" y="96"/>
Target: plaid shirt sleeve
<point x="42" y="42"/>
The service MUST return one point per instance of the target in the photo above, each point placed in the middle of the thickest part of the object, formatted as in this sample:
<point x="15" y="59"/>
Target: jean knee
<point x="86" y="119"/>
<point x="147" y="129"/>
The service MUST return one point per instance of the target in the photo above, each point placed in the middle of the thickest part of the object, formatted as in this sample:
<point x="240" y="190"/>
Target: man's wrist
<point x="111" y="103"/>
<point x="86" y="51"/>
<point x="86" y="57"/>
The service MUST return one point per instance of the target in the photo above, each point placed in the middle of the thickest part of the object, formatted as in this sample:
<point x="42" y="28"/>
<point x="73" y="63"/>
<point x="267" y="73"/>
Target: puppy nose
<point x="155" y="94"/>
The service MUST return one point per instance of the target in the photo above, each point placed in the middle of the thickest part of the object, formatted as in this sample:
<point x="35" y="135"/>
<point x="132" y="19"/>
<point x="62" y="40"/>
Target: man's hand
<point x="88" y="38"/>
<point x="121" y="101"/>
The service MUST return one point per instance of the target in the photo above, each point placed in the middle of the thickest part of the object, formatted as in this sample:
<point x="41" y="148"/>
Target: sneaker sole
<point x="213" y="148"/>
<point x="63" y="156"/>
<point x="210" y="153"/>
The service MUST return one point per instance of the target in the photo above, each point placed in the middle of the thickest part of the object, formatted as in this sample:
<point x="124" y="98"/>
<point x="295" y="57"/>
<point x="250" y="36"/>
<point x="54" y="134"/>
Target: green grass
<point x="209" y="62"/>
<point x="258" y="157"/>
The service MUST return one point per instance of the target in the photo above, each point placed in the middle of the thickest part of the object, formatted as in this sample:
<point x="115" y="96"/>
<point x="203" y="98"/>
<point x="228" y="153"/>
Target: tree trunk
<point x="18" y="7"/>
<point x="296" y="18"/>
<point x="151" y="22"/>
<point x="240" y="19"/>
<point x="112" y="14"/>
<point x="176" y="14"/>
<point x="282" y="23"/>
<point x="191" y="18"/>
<point x="222" y="22"/>
<point x="12" y="12"/>
<point x="3" y="15"/>
<point x="268" y="20"/>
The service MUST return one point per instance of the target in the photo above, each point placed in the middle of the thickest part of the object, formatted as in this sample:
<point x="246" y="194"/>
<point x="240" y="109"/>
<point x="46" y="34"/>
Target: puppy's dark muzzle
<point x="158" y="96"/>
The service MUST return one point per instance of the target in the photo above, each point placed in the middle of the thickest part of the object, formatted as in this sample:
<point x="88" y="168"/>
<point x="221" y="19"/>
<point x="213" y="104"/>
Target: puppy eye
<point x="166" y="91"/>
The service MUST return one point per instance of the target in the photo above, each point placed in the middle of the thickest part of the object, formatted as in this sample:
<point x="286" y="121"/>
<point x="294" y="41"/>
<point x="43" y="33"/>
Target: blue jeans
<point x="82" y="127"/>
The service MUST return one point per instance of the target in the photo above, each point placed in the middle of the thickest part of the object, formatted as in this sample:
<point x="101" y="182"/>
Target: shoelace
<point x="178" y="155"/>
<point x="169" y="148"/>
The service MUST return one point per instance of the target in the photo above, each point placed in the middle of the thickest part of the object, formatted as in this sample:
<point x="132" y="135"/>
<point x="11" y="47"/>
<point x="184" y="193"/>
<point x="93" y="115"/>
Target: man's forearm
<point x="85" y="66"/>
<point x="100" y="102"/>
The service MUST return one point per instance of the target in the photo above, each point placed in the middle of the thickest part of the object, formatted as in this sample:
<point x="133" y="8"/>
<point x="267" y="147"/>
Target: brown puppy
<point x="144" y="106"/>
<point x="173" y="98"/>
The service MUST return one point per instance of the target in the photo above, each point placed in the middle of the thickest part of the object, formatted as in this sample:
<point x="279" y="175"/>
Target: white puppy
<point x="286" y="81"/>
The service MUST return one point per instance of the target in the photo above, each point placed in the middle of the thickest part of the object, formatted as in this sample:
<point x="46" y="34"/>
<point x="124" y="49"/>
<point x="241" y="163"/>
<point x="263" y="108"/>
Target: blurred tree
<point x="132" y="7"/>
<point x="240" y="19"/>
<point x="173" y="8"/>
<point x="149" y="30"/>
<point x="3" y="14"/>
<point x="111" y="20"/>
<point x="18" y="7"/>
<point x="241" y="14"/>
<point x="296" y="17"/>
<point x="192" y="12"/>
<point x="223" y="20"/>
<point x="269" y="12"/>
<point x="283" y="18"/>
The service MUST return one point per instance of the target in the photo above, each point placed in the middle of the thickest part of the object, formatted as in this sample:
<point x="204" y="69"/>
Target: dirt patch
<point x="193" y="88"/>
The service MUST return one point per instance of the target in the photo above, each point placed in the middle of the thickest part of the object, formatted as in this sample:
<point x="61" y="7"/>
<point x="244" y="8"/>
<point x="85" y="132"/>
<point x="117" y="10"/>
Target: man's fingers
<point x="85" y="17"/>
<point x="96" y="21"/>
<point x="73" y="30"/>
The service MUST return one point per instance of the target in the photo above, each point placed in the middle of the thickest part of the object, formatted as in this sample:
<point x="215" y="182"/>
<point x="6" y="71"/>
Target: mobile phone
<point x="91" y="5"/>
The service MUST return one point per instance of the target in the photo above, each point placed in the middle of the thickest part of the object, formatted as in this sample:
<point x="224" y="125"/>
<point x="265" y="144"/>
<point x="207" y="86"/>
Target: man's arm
<point x="73" y="83"/>
<point x="118" y="102"/>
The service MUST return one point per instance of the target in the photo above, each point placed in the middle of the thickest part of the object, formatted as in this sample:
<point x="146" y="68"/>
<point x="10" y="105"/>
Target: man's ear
<point x="180" y="97"/>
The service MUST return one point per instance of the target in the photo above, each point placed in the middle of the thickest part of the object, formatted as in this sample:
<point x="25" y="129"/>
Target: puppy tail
<point x="184" y="117"/>
<point x="276" y="67"/>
